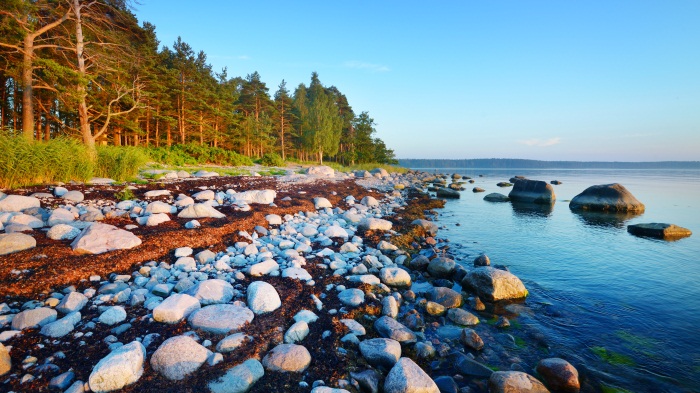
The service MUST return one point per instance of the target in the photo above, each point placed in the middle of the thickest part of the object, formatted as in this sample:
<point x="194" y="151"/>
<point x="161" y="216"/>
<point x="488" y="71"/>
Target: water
<point x="624" y="310"/>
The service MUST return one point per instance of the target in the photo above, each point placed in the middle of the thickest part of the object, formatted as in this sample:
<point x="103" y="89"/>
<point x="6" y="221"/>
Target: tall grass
<point x="193" y="154"/>
<point x="120" y="163"/>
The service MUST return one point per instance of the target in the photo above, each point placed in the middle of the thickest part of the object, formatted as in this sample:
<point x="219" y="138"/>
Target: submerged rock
<point x="447" y="193"/>
<point x="607" y="197"/>
<point x="532" y="191"/>
<point x="559" y="375"/>
<point x="659" y="231"/>
<point x="496" y="197"/>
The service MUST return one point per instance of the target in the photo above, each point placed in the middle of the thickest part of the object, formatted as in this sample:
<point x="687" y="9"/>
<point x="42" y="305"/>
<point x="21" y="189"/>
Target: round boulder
<point x="559" y="375"/>
<point x="263" y="297"/>
<point x="607" y="197"/>
<point x="407" y="377"/>
<point x="178" y="357"/>
<point x="287" y="358"/>
<point x="515" y="381"/>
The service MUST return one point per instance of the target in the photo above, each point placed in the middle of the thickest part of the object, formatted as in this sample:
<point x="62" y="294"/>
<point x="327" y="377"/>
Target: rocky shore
<point x="322" y="282"/>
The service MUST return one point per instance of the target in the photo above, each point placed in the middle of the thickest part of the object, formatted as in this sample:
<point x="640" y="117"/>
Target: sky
<point x="593" y="80"/>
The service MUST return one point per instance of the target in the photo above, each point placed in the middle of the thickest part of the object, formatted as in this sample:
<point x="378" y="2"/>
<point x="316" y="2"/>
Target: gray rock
<point x="62" y="326"/>
<point x="607" y="197"/>
<point x="443" y="192"/>
<point x="212" y="291"/>
<point x="462" y="317"/>
<point x="446" y="384"/>
<point x="33" y="318"/>
<point x="395" y="277"/>
<point x="63" y="232"/>
<point x="559" y="375"/>
<point x="206" y="256"/>
<point x="175" y="308"/>
<point x="659" y="231"/>
<point x="99" y="238"/>
<point x="321" y="203"/>
<point x="441" y="267"/>
<point x="233" y="342"/>
<point x="262" y="297"/>
<point x="515" y="381"/>
<point x="375" y="224"/>
<point x="390" y="307"/>
<point x="352" y="297"/>
<point x="419" y="263"/>
<point x="60" y="216"/>
<point x="120" y="368"/>
<point x="73" y="196"/>
<point x="321" y="171"/>
<point x="390" y="328"/>
<point x="470" y="338"/>
<point x="532" y="191"/>
<point x="238" y="379"/>
<point x="221" y="318"/>
<point x="200" y="210"/>
<point x="430" y="227"/>
<point x="273" y="219"/>
<point x="381" y="352"/>
<point x="478" y="189"/>
<point x="496" y="197"/>
<point x="263" y="268"/>
<point x="368" y="380"/>
<point x="263" y="197"/>
<point x="17" y="203"/>
<point x="407" y="377"/>
<point x="469" y="367"/>
<point x="113" y="315"/>
<point x="15" y="242"/>
<point x="354" y="327"/>
<point x="62" y="381"/>
<point x="73" y="301"/>
<point x="494" y="284"/>
<point x="446" y="297"/>
<point x="296" y="333"/>
<point x="287" y="358"/>
<point x="178" y="357"/>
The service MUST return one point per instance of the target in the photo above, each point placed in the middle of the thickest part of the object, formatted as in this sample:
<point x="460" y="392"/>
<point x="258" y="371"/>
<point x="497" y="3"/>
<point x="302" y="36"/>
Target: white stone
<point x="395" y="277"/>
<point x="26" y="219"/>
<point x="186" y="264"/>
<point x="99" y="238"/>
<point x="15" y="242"/>
<point x="297" y="332"/>
<point x="352" y="297"/>
<point x="321" y="203"/>
<point x="336" y="231"/>
<point x="63" y="232"/>
<point x="156" y="193"/>
<point x="407" y="377"/>
<point x="221" y="318"/>
<point x="120" y="368"/>
<point x="213" y="291"/>
<point x="264" y="268"/>
<point x="273" y="219"/>
<point x="306" y="316"/>
<point x="156" y="219"/>
<point x="264" y="197"/>
<point x="238" y="379"/>
<point x="205" y="195"/>
<point x="183" y="252"/>
<point x="233" y="342"/>
<point x="200" y="210"/>
<point x="73" y="196"/>
<point x="296" y="273"/>
<point x="17" y="203"/>
<point x="370" y="201"/>
<point x="60" y="216"/>
<point x="375" y="224"/>
<point x="178" y="357"/>
<point x="159" y="207"/>
<point x="73" y="301"/>
<point x="113" y="315"/>
<point x="321" y="171"/>
<point x="175" y="308"/>
<point x="33" y="318"/>
<point x="262" y="297"/>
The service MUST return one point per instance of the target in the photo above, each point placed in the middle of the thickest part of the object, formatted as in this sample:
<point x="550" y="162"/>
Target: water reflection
<point x="604" y="220"/>
<point x="532" y="209"/>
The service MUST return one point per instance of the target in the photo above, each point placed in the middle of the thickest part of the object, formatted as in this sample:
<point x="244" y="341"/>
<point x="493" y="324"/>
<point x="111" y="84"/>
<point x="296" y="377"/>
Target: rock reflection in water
<point x="604" y="220"/>
<point x="532" y="209"/>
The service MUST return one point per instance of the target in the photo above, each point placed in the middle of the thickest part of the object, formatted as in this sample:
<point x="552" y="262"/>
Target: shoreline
<point x="333" y="353"/>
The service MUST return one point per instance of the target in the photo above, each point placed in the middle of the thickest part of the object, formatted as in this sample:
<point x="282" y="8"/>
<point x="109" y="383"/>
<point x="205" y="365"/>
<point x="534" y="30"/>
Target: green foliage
<point x="25" y="162"/>
<point x="120" y="163"/>
<point x="272" y="159"/>
<point x="193" y="154"/>
<point x="613" y="357"/>
<point x="125" y="194"/>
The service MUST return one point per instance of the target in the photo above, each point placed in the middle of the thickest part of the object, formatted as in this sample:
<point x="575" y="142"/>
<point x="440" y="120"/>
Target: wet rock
<point x="17" y="203"/>
<point x="213" y="291"/>
<point x="430" y="227"/>
<point x="607" y="197"/>
<point x="62" y="381"/>
<point x="515" y="381"/>
<point x="352" y="297"/>
<point x="15" y="242"/>
<point x="395" y="277"/>
<point x="559" y="375"/>
<point x="659" y="231"/>
<point x="175" y="308"/>
<point x="262" y="297"/>
<point x="33" y="318"/>
<point x="221" y="318"/>
<point x="120" y="368"/>
<point x="381" y="352"/>
<point x="496" y="197"/>
<point x="178" y="357"/>
<point x="441" y="267"/>
<point x="425" y="350"/>
<point x="494" y="284"/>
<point x="502" y="322"/>
<point x="200" y="210"/>
<point x="99" y="238"/>
<point x="478" y="189"/>
<point x="482" y="260"/>
<point x="287" y="358"/>
<point x="462" y="317"/>
<point x="238" y="379"/>
<point x="470" y="338"/>
<point x="390" y="328"/>
<point x="407" y="377"/>
<point x="443" y="192"/>
<point x="532" y="191"/>
<point x="446" y="297"/>
<point x="434" y="309"/>
<point x="476" y="304"/>
<point x="470" y="367"/>
<point x="419" y="263"/>
<point x="446" y="384"/>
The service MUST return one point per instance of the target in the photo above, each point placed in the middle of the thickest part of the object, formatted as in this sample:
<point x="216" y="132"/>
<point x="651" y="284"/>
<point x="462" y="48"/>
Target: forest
<point x="86" y="69"/>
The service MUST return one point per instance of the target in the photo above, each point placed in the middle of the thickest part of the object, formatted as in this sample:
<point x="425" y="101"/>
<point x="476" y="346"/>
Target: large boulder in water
<point x="659" y="231"/>
<point x="532" y="191"/>
<point x="607" y="197"/>
<point x="494" y="284"/>
<point x="443" y="192"/>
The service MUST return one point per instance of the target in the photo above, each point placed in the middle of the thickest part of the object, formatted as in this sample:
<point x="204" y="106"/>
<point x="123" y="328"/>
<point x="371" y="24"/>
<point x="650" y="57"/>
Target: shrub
<point x="272" y="159"/>
<point x="125" y="194"/>
<point x="120" y="162"/>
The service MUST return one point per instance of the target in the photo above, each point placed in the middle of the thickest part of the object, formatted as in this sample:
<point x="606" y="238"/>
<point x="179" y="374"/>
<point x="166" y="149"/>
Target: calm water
<point x="624" y="310"/>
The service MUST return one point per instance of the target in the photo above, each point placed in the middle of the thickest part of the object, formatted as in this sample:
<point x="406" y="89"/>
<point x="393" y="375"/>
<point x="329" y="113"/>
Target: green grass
<point x="120" y="163"/>
<point x="273" y="172"/>
<point x="613" y="358"/>
<point x="125" y="194"/>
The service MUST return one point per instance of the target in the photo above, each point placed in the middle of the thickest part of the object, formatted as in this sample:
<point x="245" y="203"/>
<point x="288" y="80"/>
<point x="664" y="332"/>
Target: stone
<point x="287" y="358"/>
<point x="374" y="224"/>
<point x="17" y="203"/>
<point x="352" y="297"/>
<point x="175" y="308"/>
<point x="336" y="231"/>
<point x="322" y="203"/>
<point x="273" y="219"/>
<point x="434" y="309"/>
<point x="326" y="389"/>
<point x="263" y="268"/>
<point x="262" y="297"/>
<point x="25" y="219"/>
<point x="390" y="307"/>
<point x="200" y="210"/>
<point x="447" y="297"/>
<point x="15" y="242"/>
<point x="156" y="193"/>
<point x="407" y="377"/>
<point x="63" y="232"/>
<point x="5" y="360"/>
<point x="494" y="284"/>
<point x="178" y="357"/>
<point x="62" y="381"/>
<point x="478" y="189"/>
<point x="233" y="342"/>
<point x="659" y="231"/>
<point x="607" y="197"/>
<point x="470" y="338"/>
<point x="395" y="277"/>
<point x="470" y="367"/>
<point x="370" y="201"/>
<point x="482" y="260"/>
<point x="296" y="273"/>
<point x="354" y="327"/>
<point x="113" y="315"/>
<point x="446" y="384"/>
<point x="443" y="192"/>
<point x="532" y="191"/>
<point x="462" y="317"/>
<point x="156" y="219"/>
<point x="496" y="197"/>
<point x="119" y="368"/>
<point x="381" y="352"/>
<point x="420" y="262"/>
<point x="515" y="381"/>
<point x="388" y="327"/>
<point x="368" y="380"/>
<point x="60" y="216"/>
<point x="62" y="326"/>
<point x="306" y="316"/>
<point x="213" y="291"/>
<point x="158" y="207"/>
<point x="206" y="195"/>
<point x="238" y="379"/>
<point x="99" y="238"/>
<point x="320" y="171"/>
<point x="441" y="267"/>
<point x="430" y="227"/>
<point x="263" y="197"/>
<point x="296" y="333"/>
<point x="185" y="264"/>
<point x="221" y="318"/>
<point x="34" y="318"/>
<point x="73" y="196"/>
<point x="559" y="375"/>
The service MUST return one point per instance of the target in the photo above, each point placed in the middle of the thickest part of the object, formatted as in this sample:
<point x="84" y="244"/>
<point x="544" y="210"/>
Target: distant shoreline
<point x="510" y="163"/>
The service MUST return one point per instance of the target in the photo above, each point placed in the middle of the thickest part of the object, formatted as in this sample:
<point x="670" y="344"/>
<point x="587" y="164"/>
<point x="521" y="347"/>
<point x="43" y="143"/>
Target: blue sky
<point x="588" y="80"/>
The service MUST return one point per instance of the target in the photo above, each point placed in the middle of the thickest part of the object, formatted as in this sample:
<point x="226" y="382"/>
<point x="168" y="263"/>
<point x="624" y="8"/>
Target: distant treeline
<point x="535" y="164"/>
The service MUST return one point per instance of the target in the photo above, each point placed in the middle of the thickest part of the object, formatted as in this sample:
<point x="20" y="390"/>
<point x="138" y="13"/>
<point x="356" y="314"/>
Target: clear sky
<point x="606" y="80"/>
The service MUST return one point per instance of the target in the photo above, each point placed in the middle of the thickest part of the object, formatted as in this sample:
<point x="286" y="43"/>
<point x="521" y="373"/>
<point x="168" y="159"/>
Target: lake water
<point x="624" y="310"/>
